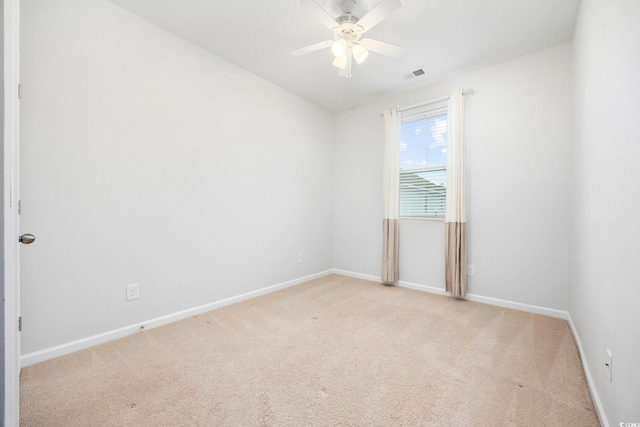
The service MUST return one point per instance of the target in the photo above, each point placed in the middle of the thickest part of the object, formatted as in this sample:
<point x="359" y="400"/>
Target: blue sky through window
<point x="423" y="143"/>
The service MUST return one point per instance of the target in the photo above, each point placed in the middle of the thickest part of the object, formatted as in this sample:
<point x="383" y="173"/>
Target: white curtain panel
<point x="391" y="188"/>
<point x="456" y="215"/>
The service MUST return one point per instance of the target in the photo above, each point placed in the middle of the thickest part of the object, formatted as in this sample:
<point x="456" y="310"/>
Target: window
<point x="423" y="164"/>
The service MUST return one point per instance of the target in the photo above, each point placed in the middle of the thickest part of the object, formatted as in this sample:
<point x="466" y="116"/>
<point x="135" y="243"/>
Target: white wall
<point x="604" y="291"/>
<point x="149" y="160"/>
<point x="519" y="140"/>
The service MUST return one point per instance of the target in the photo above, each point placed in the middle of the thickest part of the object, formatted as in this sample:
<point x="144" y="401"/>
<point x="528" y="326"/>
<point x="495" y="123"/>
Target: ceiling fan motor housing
<point x="347" y="18"/>
<point x="348" y="30"/>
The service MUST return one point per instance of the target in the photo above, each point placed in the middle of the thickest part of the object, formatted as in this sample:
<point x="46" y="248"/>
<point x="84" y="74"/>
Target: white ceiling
<point x="444" y="37"/>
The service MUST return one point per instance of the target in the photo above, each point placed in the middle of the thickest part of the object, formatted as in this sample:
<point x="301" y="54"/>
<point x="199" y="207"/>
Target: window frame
<point x="420" y="113"/>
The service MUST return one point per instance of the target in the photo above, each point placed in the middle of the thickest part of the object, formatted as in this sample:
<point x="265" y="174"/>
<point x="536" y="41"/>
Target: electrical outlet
<point x="133" y="292"/>
<point x="299" y="258"/>
<point x="471" y="270"/>
<point x="608" y="364"/>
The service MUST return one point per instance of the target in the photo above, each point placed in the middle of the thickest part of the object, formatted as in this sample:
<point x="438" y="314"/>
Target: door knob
<point x="27" y="239"/>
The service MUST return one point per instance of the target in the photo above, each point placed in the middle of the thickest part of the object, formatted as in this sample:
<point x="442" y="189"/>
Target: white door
<point x="11" y="226"/>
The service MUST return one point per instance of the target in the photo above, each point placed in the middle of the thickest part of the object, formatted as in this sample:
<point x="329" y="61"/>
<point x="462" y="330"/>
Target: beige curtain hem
<point x="456" y="258"/>
<point x="390" y="251"/>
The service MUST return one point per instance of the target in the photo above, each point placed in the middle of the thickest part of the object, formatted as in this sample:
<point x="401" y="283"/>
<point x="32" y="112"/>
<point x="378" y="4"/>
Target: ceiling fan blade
<point x="311" y="48"/>
<point x="382" y="47"/>
<point x="379" y="13"/>
<point x="324" y="17"/>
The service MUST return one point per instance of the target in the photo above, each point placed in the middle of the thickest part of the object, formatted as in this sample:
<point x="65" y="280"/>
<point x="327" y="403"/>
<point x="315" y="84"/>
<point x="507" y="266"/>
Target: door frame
<point x="11" y="223"/>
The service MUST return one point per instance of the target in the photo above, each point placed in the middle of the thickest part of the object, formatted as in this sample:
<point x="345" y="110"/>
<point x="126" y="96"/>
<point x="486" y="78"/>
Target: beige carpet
<point x="335" y="351"/>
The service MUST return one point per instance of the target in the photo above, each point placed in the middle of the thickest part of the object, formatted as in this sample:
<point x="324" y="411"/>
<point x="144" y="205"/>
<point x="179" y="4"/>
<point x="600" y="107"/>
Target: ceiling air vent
<point x="417" y="73"/>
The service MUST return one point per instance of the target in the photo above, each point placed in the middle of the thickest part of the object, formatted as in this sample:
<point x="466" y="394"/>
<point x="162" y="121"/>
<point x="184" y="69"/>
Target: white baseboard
<point x="528" y="308"/>
<point x="81" y="344"/>
<point x="587" y="372"/>
<point x="423" y="288"/>
<point x="356" y="275"/>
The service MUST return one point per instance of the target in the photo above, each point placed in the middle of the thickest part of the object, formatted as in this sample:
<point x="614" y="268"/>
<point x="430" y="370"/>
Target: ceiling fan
<point x="347" y="28"/>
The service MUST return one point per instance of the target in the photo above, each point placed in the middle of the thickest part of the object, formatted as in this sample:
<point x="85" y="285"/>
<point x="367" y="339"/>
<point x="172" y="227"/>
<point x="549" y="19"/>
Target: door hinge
<point x="19" y="90"/>
<point x="19" y="207"/>
<point x="20" y="324"/>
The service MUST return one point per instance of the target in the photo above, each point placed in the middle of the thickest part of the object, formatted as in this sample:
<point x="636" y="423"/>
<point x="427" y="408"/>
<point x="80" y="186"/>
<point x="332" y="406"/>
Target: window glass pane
<point x="413" y="145"/>
<point x="423" y="161"/>
<point x="437" y="141"/>
<point x="423" y="143"/>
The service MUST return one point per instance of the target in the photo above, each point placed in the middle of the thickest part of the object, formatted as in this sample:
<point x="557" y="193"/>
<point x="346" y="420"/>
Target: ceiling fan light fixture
<point x="339" y="47"/>
<point x="359" y="53"/>
<point x="340" y="62"/>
